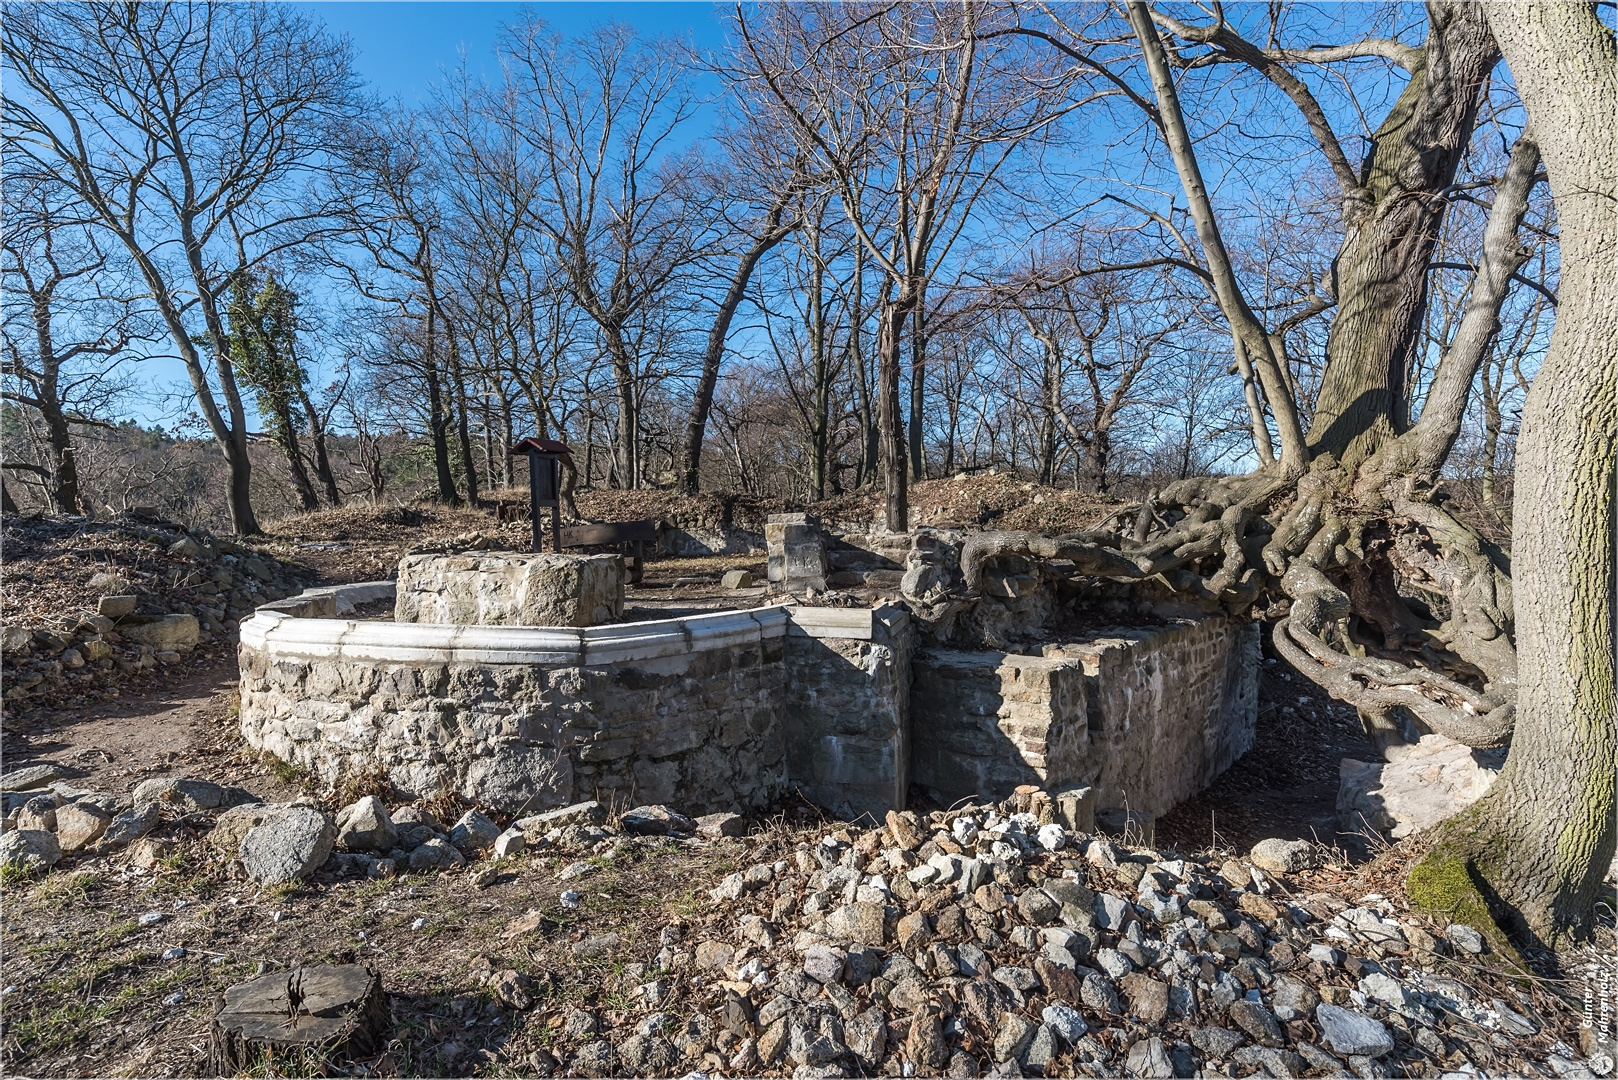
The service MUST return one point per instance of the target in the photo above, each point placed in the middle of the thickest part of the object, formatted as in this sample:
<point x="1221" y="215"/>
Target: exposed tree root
<point x="1311" y="554"/>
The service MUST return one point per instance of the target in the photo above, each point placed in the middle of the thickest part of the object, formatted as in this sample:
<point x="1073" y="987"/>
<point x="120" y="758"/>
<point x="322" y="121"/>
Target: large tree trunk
<point x="286" y="440"/>
<point x="437" y="419"/>
<point x="463" y="431"/>
<point x="918" y="385"/>
<point x="625" y="439"/>
<point x="1392" y="227"/>
<point x="890" y="418"/>
<point x="1532" y="852"/>
<point x="64" y="471"/>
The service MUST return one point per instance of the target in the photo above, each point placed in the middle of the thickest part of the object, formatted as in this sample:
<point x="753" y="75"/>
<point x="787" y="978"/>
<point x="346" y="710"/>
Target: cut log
<point x="318" y="1015"/>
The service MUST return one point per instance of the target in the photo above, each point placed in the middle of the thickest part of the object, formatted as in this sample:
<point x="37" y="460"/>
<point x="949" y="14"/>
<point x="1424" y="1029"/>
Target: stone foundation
<point x="683" y="711"/>
<point x="1148" y="717"/>
<point x="730" y="711"/>
<point x="847" y="708"/>
<point x="510" y="589"/>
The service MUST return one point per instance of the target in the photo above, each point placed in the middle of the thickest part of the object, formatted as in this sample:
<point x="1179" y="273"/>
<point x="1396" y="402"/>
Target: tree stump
<point x="317" y="1014"/>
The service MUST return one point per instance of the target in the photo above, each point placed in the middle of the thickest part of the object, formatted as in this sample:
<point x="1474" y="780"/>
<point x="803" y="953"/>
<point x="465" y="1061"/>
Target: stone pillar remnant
<point x="797" y="553"/>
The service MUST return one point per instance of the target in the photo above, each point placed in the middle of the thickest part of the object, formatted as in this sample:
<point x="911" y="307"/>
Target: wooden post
<point x="544" y="486"/>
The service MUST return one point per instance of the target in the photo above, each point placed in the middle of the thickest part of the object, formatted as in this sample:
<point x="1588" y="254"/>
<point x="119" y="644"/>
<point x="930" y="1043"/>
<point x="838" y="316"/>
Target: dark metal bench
<point x="628" y="537"/>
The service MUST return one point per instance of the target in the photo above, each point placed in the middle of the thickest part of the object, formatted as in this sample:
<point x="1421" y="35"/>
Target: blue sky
<point x="403" y="47"/>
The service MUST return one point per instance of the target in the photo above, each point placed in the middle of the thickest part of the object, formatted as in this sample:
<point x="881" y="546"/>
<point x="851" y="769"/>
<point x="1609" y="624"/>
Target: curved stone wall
<point x="685" y="711"/>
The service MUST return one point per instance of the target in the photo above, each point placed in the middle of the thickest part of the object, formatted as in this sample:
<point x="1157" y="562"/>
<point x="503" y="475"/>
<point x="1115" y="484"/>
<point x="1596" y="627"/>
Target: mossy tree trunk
<point x="1534" y="850"/>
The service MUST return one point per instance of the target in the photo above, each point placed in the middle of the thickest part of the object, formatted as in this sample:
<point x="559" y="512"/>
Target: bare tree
<point x="775" y="222"/>
<point x="177" y="125"/>
<point x="913" y="114"/>
<point x="65" y="331"/>
<point x="598" y="114"/>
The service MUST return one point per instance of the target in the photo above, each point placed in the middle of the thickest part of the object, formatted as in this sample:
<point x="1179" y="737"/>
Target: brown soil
<point x="980" y="501"/>
<point x="1286" y="785"/>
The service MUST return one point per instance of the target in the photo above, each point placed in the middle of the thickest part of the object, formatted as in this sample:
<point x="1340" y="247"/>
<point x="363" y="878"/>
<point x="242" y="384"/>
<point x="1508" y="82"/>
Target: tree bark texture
<point x="1392" y="225"/>
<point x="890" y="415"/>
<point x="1536" y="847"/>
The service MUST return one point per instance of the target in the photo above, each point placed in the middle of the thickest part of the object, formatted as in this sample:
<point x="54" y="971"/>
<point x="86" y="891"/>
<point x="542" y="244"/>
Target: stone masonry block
<point x="510" y="589"/>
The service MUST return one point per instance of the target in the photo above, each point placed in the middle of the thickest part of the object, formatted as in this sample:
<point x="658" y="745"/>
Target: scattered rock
<point x="864" y="923"/>
<point x="510" y="843"/>
<point x="168" y="632"/>
<point x="737" y="579"/>
<point x="1352" y="1033"/>
<point x="129" y="826"/>
<point x="715" y="826"/>
<point x="38" y="813"/>
<point x="1259" y="1023"/>
<point x="1065" y="1022"/>
<point x="30" y="849"/>
<point x="594" y="1059"/>
<point x="1468" y="939"/>
<point x="473" y="833"/>
<point x="289" y="846"/>
<point x="148" y="851"/>
<point x="435" y="854"/>
<point x="79" y="824"/>
<point x="34" y="776"/>
<point x="925" y="1045"/>
<point x="1284" y="856"/>
<point x="1216" y="1043"/>
<point x="655" y="821"/>
<point x="234" y="824"/>
<point x="584" y="813"/>
<point x="1148" y="998"/>
<point x="183" y="796"/>
<point x="366" y="826"/>
<point x="511" y="988"/>
<point x="1149" y="1058"/>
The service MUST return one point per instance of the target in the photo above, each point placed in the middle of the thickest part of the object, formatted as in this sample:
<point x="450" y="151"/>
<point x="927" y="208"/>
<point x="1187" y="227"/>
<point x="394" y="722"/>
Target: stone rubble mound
<point x="991" y="940"/>
<point x="983" y="940"/>
<point x="93" y="604"/>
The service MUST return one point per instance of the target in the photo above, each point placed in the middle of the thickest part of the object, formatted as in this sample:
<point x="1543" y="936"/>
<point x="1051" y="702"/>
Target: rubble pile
<point x="90" y="605"/>
<point x="983" y="940"/>
<point x="991" y="940"/>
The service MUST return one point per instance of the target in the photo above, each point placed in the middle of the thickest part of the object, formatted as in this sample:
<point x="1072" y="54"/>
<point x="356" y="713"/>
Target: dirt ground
<point x="1286" y="785"/>
<point x="88" y="993"/>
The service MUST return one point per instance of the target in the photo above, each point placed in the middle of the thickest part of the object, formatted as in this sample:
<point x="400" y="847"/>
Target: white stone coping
<point x="279" y="634"/>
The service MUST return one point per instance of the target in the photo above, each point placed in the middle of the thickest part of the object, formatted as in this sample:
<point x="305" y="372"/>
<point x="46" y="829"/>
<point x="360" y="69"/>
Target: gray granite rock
<point x="289" y="846"/>
<point x="365" y="825"/>
<point x="1284" y="856"/>
<point x="1350" y="1032"/>
<point x="29" y="849"/>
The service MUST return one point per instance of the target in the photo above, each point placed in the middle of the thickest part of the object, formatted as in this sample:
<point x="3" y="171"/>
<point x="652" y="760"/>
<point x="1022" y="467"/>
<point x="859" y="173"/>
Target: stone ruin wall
<point x="847" y="709"/>
<point x="1147" y="717"/>
<point x="730" y="711"/>
<point x="698" y="712"/>
<point x="525" y="718"/>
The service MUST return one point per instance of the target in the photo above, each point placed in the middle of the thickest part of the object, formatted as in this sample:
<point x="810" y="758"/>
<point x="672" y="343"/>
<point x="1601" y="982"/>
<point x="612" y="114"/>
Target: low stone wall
<point x="728" y="711"/>
<point x="1169" y="709"/>
<point x="984" y="723"/>
<point x="685" y="711"/>
<point x="1148" y="717"/>
<point x="847" y="708"/>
